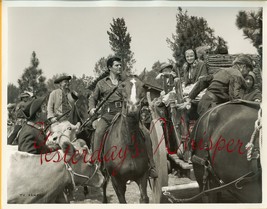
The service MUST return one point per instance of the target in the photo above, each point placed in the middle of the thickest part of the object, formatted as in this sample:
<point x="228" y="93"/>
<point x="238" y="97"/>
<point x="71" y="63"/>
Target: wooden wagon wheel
<point x="160" y="158"/>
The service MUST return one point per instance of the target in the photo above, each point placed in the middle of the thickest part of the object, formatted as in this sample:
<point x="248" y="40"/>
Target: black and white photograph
<point x="138" y="102"/>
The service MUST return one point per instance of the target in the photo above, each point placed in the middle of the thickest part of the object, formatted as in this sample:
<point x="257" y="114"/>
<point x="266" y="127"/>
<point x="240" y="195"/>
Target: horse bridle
<point x="73" y="173"/>
<point x="125" y="111"/>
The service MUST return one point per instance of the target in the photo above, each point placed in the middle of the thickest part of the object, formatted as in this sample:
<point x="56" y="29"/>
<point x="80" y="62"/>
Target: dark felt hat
<point x="36" y="105"/>
<point x="62" y="78"/>
<point x="165" y="65"/>
<point x="26" y="110"/>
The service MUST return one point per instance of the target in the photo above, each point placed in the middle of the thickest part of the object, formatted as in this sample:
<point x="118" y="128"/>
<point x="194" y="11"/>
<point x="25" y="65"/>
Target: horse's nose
<point x="132" y="109"/>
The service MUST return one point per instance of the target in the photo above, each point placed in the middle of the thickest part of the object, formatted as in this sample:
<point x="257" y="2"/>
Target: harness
<point x="252" y="154"/>
<point x="73" y="173"/>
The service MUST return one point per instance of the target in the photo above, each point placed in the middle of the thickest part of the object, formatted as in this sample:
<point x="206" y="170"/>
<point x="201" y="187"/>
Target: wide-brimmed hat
<point x="73" y="96"/>
<point x="244" y="59"/>
<point x="24" y="94"/>
<point x="26" y="110"/>
<point x="36" y="105"/>
<point x="11" y="105"/>
<point x="165" y="65"/>
<point x="62" y="78"/>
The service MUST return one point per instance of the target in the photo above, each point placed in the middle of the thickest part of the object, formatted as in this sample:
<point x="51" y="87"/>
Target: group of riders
<point x="35" y="115"/>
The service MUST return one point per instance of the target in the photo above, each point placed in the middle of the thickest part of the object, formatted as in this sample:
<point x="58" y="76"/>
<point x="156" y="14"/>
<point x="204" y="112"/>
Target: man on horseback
<point x="112" y="106"/>
<point x="32" y="136"/>
<point x="225" y="85"/>
<point x="61" y="100"/>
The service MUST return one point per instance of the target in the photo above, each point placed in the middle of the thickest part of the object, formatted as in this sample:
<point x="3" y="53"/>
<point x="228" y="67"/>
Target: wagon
<point x="170" y="132"/>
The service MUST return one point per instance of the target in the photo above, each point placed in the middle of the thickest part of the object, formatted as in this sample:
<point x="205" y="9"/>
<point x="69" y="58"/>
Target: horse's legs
<point x="104" y="186"/>
<point x="120" y="189"/>
<point x="142" y="183"/>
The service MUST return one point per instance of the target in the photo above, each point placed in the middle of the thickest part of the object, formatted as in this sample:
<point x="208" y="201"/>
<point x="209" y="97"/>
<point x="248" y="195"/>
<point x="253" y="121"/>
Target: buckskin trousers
<point x="99" y="135"/>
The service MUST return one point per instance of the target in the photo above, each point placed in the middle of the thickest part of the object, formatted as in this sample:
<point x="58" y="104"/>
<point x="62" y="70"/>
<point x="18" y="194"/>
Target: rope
<point x="173" y="199"/>
<point x="73" y="173"/>
<point x="257" y="128"/>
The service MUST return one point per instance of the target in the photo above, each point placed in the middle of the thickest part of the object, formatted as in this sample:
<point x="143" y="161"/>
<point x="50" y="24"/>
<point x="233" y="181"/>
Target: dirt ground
<point x="132" y="192"/>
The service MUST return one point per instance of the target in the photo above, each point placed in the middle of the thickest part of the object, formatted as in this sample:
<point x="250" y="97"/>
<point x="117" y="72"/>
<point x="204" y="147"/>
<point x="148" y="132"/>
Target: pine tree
<point x="251" y="24"/>
<point x="32" y="78"/>
<point x="191" y="32"/>
<point x="119" y="40"/>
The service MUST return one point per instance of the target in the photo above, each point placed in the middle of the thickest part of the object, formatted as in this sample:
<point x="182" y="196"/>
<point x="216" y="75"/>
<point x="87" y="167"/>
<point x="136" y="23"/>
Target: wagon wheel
<point x="160" y="158"/>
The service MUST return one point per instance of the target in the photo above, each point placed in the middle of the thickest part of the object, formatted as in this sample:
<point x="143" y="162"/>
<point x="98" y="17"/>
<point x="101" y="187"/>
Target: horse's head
<point x="77" y="156"/>
<point x="64" y="131"/>
<point x="133" y="94"/>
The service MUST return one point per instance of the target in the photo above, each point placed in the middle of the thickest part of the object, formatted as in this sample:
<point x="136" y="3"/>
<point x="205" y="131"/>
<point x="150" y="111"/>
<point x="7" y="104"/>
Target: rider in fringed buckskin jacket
<point x="112" y="106"/>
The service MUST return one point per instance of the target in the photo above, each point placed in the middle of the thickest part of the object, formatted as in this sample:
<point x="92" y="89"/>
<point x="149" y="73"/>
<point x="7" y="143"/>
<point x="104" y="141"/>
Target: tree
<point x="251" y="24"/>
<point x="119" y="40"/>
<point x="32" y="79"/>
<point x="101" y="65"/>
<point x="13" y="93"/>
<point x="191" y="32"/>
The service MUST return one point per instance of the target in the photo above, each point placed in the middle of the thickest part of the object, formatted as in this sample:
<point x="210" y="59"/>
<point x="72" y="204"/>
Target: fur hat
<point x="62" y="78"/>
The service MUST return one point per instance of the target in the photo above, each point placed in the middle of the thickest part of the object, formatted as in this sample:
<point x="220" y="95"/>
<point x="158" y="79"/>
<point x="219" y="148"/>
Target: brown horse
<point x="124" y="153"/>
<point x="219" y="153"/>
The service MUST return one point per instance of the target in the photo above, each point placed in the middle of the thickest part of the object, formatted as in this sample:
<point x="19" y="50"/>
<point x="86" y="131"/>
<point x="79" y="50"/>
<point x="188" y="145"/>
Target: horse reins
<point x="73" y="173"/>
<point x="222" y="187"/>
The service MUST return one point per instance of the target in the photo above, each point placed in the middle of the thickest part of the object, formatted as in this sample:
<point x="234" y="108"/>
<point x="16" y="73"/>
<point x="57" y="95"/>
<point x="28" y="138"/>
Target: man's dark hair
<point x="111" y="60"/>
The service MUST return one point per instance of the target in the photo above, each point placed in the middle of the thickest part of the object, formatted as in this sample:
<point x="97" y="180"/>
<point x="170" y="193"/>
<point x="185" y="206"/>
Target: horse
<point x="43" y="178"/>
<point x="124" y="155"/>
<point x="220" y="155"/>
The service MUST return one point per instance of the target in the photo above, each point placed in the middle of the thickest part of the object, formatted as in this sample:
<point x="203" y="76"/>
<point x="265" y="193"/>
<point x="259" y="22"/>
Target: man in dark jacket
<point x="32" y="136"/>
<point x="112" y="106"/>
<point x="225" y="85"/>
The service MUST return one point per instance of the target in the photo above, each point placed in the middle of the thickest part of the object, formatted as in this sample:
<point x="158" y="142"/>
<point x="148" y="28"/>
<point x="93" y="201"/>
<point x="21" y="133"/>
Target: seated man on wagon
<point x="225" y="85"/>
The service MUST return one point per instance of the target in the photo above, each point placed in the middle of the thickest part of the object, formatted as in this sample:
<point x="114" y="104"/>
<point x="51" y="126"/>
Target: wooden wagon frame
<point x="158" y="137"/>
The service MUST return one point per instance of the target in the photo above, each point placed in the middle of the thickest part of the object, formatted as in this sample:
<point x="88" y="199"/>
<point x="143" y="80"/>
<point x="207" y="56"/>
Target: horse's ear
<point x="142" y="76"/>
<point x="67" y="148"/>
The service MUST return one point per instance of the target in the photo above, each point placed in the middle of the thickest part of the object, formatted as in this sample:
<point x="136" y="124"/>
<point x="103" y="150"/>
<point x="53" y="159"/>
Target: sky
<point x="72" y="39"/>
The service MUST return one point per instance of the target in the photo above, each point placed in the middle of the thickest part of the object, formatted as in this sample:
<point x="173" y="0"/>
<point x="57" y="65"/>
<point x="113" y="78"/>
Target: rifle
<point x="49" y="123"/>
<point x="95" y="115"/>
